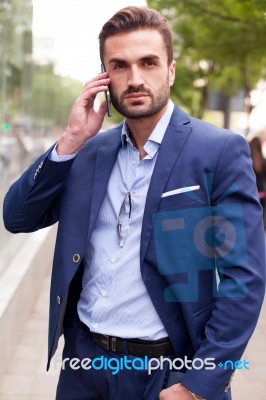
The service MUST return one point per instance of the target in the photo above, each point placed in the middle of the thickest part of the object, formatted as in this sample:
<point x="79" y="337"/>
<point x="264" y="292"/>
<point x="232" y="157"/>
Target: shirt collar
<point x="158" y="132"/>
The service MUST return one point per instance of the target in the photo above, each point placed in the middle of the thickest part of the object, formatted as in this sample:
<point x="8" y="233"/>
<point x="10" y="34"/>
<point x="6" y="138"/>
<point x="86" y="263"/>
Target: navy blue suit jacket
<point x="208" y="304"/>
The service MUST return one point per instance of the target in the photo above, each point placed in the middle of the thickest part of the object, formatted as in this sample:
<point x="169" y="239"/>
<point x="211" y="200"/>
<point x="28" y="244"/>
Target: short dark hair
<point x="131" y="18"/>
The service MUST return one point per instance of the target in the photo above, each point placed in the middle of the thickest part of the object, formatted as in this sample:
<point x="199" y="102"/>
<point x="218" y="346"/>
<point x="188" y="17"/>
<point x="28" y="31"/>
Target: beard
<point x="136" y="110"/>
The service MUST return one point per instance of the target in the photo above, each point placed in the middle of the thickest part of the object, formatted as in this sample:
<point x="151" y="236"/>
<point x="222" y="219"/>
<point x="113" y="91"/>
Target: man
<point x="160" y="245"/>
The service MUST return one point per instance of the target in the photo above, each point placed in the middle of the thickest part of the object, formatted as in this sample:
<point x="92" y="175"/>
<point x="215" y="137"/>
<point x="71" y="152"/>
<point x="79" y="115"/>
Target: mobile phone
<point x="107" y="96"/>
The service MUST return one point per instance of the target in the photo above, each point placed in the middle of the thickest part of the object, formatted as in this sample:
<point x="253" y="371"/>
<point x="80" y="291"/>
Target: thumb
<point x="102" y="109"/>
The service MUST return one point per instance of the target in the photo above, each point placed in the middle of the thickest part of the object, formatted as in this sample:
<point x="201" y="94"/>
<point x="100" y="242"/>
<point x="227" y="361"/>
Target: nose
<point x="135" y="77"/>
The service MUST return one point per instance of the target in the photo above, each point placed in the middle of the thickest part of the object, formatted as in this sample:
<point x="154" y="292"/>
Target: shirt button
<point x="113" y="259"/>
<point x="104" y="293"/>
<point x="133" y="162"/>
<point x="58" y="300"/>
<point x="95" y="325"/>
<point x="76" y="258"/>
<point x="126" y="227"/>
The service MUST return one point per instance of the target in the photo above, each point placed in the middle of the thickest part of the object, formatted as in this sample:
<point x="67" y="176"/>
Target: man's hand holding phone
<point x="84" y="122"/>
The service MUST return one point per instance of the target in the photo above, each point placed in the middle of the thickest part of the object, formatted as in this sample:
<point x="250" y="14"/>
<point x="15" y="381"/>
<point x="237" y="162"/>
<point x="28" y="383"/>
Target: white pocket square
<point x="181" y="190"/>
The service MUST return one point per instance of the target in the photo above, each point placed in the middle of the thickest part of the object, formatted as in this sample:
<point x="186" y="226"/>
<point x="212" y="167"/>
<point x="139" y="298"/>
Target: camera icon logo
<point x="190" y="241"/>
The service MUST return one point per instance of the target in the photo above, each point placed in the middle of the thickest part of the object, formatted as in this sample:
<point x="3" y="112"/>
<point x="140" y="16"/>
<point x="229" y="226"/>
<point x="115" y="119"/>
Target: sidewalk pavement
<point x="26" y="377"/>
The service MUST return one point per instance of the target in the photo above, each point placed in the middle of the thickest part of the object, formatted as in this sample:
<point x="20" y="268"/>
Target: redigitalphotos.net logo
<point x="148" y="364"/>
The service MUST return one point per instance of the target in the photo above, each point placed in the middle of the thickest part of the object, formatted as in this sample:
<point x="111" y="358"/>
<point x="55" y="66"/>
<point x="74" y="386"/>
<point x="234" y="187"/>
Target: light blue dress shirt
<point x="114" y="300"/>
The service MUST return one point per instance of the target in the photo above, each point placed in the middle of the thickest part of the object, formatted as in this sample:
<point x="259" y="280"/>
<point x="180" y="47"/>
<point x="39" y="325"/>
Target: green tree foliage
<point x="53" y="97"/>
<point x="219" y="45"/>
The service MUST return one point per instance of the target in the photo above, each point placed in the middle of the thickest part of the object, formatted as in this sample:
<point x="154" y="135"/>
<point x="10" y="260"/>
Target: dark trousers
<point x="103" y="383"/>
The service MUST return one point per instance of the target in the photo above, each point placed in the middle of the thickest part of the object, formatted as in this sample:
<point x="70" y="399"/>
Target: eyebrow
<point x="120" y="60"/>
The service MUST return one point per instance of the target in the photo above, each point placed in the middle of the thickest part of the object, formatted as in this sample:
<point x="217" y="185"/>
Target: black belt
<point x="135" y="347"/>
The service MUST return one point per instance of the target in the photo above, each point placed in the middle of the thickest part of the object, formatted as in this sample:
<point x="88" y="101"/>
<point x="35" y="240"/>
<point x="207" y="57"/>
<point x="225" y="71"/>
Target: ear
<point x="172" y="73"/>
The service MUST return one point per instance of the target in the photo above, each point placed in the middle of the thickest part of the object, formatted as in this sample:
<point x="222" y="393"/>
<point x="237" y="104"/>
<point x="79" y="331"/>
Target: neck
<point x="141" y="128"/>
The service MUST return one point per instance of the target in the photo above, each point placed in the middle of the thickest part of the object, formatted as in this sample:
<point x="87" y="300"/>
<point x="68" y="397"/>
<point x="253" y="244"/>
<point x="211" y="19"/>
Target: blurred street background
<point x="49" y="49"/>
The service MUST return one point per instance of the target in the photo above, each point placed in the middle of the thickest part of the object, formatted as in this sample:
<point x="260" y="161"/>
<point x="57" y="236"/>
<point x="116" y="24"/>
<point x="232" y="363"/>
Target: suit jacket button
<point x="76" y="258"/>
<point x="58" y="300"/>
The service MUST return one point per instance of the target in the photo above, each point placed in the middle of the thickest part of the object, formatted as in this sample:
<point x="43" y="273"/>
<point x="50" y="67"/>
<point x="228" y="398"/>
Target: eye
<point x="120" y="66"/>
<point x="149" y="63"/>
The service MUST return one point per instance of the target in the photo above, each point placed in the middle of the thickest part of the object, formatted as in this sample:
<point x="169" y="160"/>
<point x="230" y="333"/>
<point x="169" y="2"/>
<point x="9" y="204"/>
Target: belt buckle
<point x="102" y="339"/>
<point x="113" y="344"/>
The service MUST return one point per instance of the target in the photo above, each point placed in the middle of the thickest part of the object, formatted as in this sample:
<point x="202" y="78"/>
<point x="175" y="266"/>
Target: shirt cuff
<point x="54" y="157"/>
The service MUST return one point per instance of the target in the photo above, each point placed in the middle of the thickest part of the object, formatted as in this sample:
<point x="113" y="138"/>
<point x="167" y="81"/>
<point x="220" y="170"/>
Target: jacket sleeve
<point x="32" y="202"/>
<point x="241" y="282"/>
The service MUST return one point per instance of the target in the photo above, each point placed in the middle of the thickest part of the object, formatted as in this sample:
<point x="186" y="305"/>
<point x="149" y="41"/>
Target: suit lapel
<point x="106" y="157"/>
<point x="174" y="139"/>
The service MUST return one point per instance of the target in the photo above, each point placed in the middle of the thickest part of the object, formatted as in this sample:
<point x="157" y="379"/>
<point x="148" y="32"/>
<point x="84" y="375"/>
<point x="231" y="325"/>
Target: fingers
<point x="175" y="392"/>
<point x="102" y="78"/>
<point x="94" y="86"/>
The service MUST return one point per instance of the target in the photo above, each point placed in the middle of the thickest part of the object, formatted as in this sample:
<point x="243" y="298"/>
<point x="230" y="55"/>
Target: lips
<point x="136" y="95"/>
